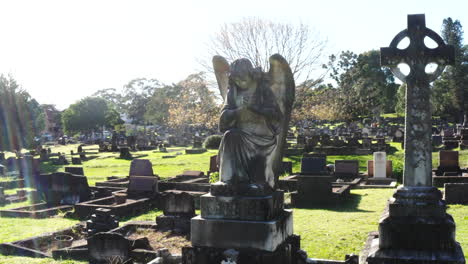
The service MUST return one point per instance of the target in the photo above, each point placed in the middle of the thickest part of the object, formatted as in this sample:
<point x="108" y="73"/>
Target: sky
<point x="62" y="50"/>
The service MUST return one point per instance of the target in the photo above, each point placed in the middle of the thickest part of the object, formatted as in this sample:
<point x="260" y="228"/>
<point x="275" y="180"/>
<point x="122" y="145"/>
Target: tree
<point x="136" y="95"/>
<point x="111" y="96"/>
<point x="88" y="114"/>
<point x="364" y="86"/>
<point x="21" y="117"/>
<point x="257" y="39"/>
<point x="194" y="104"/>
<point x="450" y="91"/>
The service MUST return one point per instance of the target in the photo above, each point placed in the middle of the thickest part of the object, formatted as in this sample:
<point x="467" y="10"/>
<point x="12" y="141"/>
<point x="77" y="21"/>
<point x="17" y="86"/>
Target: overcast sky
<point x="61" y="51"/>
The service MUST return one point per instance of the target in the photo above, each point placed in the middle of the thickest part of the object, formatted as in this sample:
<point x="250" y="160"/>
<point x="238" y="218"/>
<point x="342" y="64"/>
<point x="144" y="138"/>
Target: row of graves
<point x="245" y="228"/>
<point x="451" y="177"/>
<point x="319" y="183"/>
<point x="339" y="142"/>
<point x="453" y="138"/>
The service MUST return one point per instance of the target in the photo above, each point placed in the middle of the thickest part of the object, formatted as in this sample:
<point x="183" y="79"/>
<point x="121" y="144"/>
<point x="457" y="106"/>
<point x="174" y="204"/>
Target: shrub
<point x="214" y="177"/>
<point x="212" y="142"/>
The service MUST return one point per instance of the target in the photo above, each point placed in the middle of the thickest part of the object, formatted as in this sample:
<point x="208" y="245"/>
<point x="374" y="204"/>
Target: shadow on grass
<point x="346" y="204"/>
<point x="133" y="157"/>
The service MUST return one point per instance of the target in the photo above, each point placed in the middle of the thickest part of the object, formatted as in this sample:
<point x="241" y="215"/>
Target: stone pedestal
<point x="416" y="229"/>
<point x="247" y="225"/>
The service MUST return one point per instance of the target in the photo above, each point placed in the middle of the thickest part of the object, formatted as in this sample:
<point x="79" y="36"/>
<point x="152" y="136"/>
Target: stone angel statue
<point x="254" y="120"/>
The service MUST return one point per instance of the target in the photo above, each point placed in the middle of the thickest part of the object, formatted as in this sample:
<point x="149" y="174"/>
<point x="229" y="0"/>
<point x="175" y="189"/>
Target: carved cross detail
<point x="417" y="55"/>
<point x="418" y="122"/>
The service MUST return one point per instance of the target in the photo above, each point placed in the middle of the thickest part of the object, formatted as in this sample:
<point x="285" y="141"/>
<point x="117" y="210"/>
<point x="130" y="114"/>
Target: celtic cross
<point x="418" y="121"/>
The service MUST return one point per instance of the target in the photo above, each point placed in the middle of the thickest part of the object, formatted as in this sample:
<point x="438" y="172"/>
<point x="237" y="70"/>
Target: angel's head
<point x="242" y="73"/>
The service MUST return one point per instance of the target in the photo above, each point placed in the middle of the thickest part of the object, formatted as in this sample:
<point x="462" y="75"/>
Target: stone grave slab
<point x="456" y="193"/>
<point x="75" y="170"/>
<point x="346" y="168"/>
<point x="178" y="209"/>
<point x="141" y="167"/>
<point x="314" y="165"/>
<point x="370" y="168"/>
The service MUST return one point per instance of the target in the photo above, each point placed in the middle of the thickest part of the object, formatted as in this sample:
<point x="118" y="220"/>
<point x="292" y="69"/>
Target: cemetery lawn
<point x="327" y="233"/>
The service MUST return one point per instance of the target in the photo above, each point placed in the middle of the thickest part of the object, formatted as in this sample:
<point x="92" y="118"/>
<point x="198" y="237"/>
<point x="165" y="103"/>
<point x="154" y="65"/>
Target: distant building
<point x="53" y="125"/>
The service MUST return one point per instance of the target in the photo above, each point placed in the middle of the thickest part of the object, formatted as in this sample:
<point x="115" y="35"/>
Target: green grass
<point x="102" y="165"/>
<point x="327" y="233"/>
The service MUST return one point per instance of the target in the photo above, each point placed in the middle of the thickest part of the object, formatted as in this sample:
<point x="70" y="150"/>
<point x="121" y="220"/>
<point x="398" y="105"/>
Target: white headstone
<point x="380" y="165"/>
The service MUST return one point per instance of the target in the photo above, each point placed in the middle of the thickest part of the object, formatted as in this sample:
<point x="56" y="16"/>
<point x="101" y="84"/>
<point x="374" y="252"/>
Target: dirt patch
<point x="173" y="242"/>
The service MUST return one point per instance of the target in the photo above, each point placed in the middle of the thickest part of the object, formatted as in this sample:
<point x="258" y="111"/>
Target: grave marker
<point x="417" y="228"/>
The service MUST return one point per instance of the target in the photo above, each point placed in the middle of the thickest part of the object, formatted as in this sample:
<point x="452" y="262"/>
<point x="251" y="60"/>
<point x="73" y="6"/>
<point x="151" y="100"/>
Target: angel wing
<point x="283" y="87"/>
<point x="221" y="70"/>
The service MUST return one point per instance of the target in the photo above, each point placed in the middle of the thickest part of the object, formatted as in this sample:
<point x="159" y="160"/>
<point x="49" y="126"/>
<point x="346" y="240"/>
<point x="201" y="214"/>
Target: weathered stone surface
<point x="141" y="167"/>
<point x="143" y="185"/>
<point x="222" y="233"/>
<point x="370" y="168"/>
<point x="108" y="247"/>
<point x="346" y="168"/>
<point x="254" y="120"/>
<point x="416" y="228"/>
<point x="63" y="188"/>
<point x="241" y="207"/>
<point x="178" y="204"/>
<point x="287" y="253"/>
<point x="312" y="190"/>
<point x="380" y="164"/>
<point x="456" y="193"/>
<point x="314" y="164"/>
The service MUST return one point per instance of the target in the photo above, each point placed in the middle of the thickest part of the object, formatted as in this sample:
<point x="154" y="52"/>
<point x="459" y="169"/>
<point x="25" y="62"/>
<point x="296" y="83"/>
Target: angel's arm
<point x="229" y="112"/>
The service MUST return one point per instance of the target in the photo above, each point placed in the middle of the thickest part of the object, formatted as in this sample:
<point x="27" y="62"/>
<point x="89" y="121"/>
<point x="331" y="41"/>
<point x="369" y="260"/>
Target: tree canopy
<point x="21" y="117"/>
<point x="88" y="114"/>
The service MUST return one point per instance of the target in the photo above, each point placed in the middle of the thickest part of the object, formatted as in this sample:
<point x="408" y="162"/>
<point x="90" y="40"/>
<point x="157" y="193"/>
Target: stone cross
<point x="418" y="123"/>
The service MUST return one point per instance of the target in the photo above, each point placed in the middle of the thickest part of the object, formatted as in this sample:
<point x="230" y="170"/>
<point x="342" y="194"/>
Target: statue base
<point x="242" y="222"/>
<point x="416" y="229"/>
<point x="286" y="253"/>
<point x="241" y="234"/>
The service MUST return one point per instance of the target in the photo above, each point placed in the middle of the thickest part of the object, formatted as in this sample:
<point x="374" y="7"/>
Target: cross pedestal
<point x="415" y="228"/>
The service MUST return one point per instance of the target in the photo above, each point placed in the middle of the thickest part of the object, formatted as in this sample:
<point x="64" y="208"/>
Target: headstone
<point x="416" y="228"/>
<point x="80" y="149"/>
<point x="448" y="159"/>
<point x="76" y="161"/>
<point x="366" y="143"/>
<point x="178" y="208"/>
<point x="75" y="170"/>
<point x="214" y="166"/>
<point x="44" y="156"/>
<point x="63" y="188"/>
<point x="370" y="169"/>
<point x="456" y="193"/>
<point x="380" y="165"/>
<point x="346" y="168"/>
<point x="2" y="170"/>
<point x="314" y="164"/>
<point x="109" y="248"/>
<point x="2" y="157"/>
<point x="143" y="185"/>
<point x="141" y="167"/>
<point x="125" y="153"/>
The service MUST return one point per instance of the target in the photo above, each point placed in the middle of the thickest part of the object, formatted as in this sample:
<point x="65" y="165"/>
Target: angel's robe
<point x="250" y="137"/>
